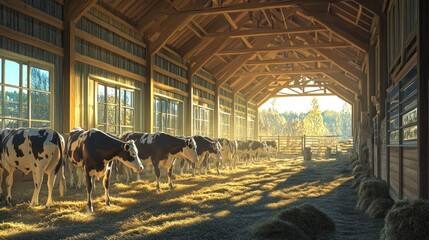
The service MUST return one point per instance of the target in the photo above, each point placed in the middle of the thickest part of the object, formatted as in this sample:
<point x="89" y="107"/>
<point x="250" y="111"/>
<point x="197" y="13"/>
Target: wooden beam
<point x="68" y="81"/>
<point x="251" y="94"/>
<point x="372" y="5"/>
<point x="169" y="27"/>
<point x="303" y="95"/>
<point x="359" y="40"/>
<point x="343" y="80"/>
<point x="198" y="63"/>
<point x="265" y="32"/>
<point x="341" y="93"/>
<point x="243" y="7"/>
<point x="151" y="17"/>
<point x="283" y="48"/>
<point x="77" y="8"/>
<point x="242" y="83"/>
<point x="236" y="64"/>
<point x="286" y="61"/>
<point x="341" y="64"/>
<point x="286" y="72"/>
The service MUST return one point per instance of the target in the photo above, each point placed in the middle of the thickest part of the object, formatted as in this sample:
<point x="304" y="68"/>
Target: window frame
<point x="30" y="63"/>
<point x="168" y="129"/>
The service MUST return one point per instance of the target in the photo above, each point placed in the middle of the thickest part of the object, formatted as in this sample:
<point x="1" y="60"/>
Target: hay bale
<point x="379" y="207"/>
<point x="407" y="220"/>
<point x="358" y="168"/>
<point x="356" y="163"/>
<point x="279" y="228"/>
<point x="309" y="219"/>
<point x="353" y="157"/>
<point x="370" y="190"/>
<point x="356" y="182"/>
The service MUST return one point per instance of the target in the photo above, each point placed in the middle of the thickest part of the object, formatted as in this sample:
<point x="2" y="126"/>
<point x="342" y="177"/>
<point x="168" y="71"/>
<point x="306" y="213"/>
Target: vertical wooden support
<point x="148" y="96"/>
<point x="246" y="123"/>
<point x="189" y="126"/>
<point x="68" y="90"/>
<point x="422" y="95"/>
<point x="257" y="123"/>
<point x="233" y="135"/>
<point x="216" y="118"/>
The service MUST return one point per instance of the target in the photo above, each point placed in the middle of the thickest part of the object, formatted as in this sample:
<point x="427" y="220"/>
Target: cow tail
<point x="61" y="164"/>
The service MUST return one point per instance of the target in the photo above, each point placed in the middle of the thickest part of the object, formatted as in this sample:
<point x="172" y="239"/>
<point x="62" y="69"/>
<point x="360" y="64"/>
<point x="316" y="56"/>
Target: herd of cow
<point x="91" y="154"/>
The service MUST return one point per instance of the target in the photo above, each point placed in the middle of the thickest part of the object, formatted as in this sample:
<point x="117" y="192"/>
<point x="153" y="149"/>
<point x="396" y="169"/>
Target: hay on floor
<point x="407" y="220"/>
<point x="370" y="190"/>
<point x="278" y="228"/>
<point x="379" y="207"/>
<point x="309" y="219"/>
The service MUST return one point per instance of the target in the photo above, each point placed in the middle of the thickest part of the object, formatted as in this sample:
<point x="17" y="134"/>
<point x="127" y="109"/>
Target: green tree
<point x="313" y="122"/>
<point x="346" y="121"/>
<point x="271" y="122"/>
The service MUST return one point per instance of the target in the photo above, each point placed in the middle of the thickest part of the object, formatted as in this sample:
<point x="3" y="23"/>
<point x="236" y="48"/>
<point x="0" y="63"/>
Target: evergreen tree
<point x="313" y="122"/>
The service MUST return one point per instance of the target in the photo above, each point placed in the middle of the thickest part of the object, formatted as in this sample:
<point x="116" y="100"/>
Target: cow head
<point x="217" y="154"/>
<point x="129" y="156"/>
<point x="190" y="150"/>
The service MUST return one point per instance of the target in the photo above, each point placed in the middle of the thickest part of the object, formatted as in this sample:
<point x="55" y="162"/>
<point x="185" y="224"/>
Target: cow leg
<point x="51" y="182"/>
<point x="38" y="180"/>
<point x="72" y="172"/>
<point x="80" y="174"/>
<point x="170" y="180"/>
<point x="106" y="186"/>
<point x="138" y="178"/>
<point x="194" y="166"/>
<point x="181" y="165"/>
<point x="217" y="167"/>
<point x="127" y="174"/>
<point x="89" y="181"/>
<point x="9" y="182"/>
<point x="157" y="174"/>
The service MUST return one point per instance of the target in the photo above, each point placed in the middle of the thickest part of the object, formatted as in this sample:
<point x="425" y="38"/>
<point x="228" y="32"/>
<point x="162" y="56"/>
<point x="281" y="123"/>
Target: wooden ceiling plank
<point x="371" y="5"/>
<point x="286" y="61"/>
<point x="209" y="52"/>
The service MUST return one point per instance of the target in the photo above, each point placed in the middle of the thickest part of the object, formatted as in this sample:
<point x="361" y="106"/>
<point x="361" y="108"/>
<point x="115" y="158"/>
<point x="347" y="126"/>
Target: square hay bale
<point x="370" y="190"/>
<point x="309" y="219"/>
<point x="277" y="228"/>
<point x="408" y="219"/>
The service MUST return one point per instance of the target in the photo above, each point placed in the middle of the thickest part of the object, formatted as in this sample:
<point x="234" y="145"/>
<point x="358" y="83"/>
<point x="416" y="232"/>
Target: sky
<point x="303" y="104"/>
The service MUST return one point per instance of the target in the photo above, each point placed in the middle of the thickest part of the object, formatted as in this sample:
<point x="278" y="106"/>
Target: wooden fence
<point x="320" y="145"/>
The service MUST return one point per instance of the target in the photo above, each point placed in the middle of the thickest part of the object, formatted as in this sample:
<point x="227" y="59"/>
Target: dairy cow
<point x="95" y="152"/>
<point x="33" y="150"/>
<point x="206" y="148"/>
<point x="74" y="165"/>
<point x="228" y="152"/>
<point x="161" y="149"/>
<point x="272" y="147"/>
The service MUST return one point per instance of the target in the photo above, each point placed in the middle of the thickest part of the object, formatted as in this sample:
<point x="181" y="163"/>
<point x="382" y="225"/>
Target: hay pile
<point x="407" y="220"/>
<point x="309" y="220"/>
<point x="379" y="207"/>
<point x="279" y="228"/>
<point x="370" y="190"/>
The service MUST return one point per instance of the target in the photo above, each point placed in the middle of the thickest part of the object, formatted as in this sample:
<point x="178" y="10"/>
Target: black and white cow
<point x="256" y="149"/>
<point x="95" y="152"/>
<point x="33" y="150"/>
<point x="228" y="151"/>
<point x="161" y="149"/>
<point x="75" y="169"/>
<point x="272" y="147"/>
<point x="206" y="148"/>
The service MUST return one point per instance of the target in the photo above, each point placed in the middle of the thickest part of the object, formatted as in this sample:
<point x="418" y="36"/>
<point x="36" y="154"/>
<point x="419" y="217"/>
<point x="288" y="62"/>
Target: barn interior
<point x="188" y="67"/>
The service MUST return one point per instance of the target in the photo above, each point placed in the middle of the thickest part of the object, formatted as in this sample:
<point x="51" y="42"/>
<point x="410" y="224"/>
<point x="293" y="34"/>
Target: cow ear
<point x="126" y="146"/>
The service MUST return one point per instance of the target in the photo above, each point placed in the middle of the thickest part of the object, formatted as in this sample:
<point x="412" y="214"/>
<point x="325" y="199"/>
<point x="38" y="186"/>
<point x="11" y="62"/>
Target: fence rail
<point x="320" y="145"/>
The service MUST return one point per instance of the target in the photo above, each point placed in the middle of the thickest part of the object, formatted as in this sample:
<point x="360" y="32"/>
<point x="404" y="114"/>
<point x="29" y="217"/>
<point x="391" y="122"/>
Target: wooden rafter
<point x="75" y="9"/>
<point x="372" y="5"/>
<point x="264" y="32"/>
<point x="360" y="40"/>
<point x="283" y="48"/>
<point x="286" y="61"/>
<point x="243" y="7"/>
<point x="286" y="72"/>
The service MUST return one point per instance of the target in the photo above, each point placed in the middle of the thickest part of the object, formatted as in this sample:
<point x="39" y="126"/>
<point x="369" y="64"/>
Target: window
<point x="167" y="115"/>
<point x="240" y="126"/>
<point x="251" y="127"/>
<point x="225" y="124"/>
<point x="203" y="119"/>
<point x="115" y="109"/>
<point x="25" y="92"/>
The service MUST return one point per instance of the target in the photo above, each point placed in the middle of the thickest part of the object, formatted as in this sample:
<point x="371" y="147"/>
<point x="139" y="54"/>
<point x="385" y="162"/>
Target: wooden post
<point x="189" y="126"/>
<point x="148" y="97"/>
<point x="256" y="123"/>
<point x="422" y="95"/>
<point x="233" y="136"/>
<point x="216" y="118"/>
<point x="246" y="123"/>
<point x="68" y="90"/>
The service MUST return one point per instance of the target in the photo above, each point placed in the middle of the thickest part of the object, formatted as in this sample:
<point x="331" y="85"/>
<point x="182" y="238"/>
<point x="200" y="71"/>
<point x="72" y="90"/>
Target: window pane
<point x="1" y="101"/>
<point x="111" y="97"/>
<point x="111" y="129"/>
<point x="100" y="113"/>
<point x="25" y="104"/>
<point x="40" y="105"/>
<point x="111" y="114"/>
<point x="127" y="98"/>
<point x="102" y="127"/>
<point x="12" y="73"/>
<point x="25" y="75"/>
<point x="39" y="124"/>
<point x="11" y="123"/>
<point x="40" y="79"/>
<point x="12" y="102"/>
<point x="101" y="93"/>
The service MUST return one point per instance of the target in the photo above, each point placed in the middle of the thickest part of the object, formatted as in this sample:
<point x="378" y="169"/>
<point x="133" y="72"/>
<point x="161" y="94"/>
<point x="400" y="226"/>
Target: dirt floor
<point x="203" y="207"/>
